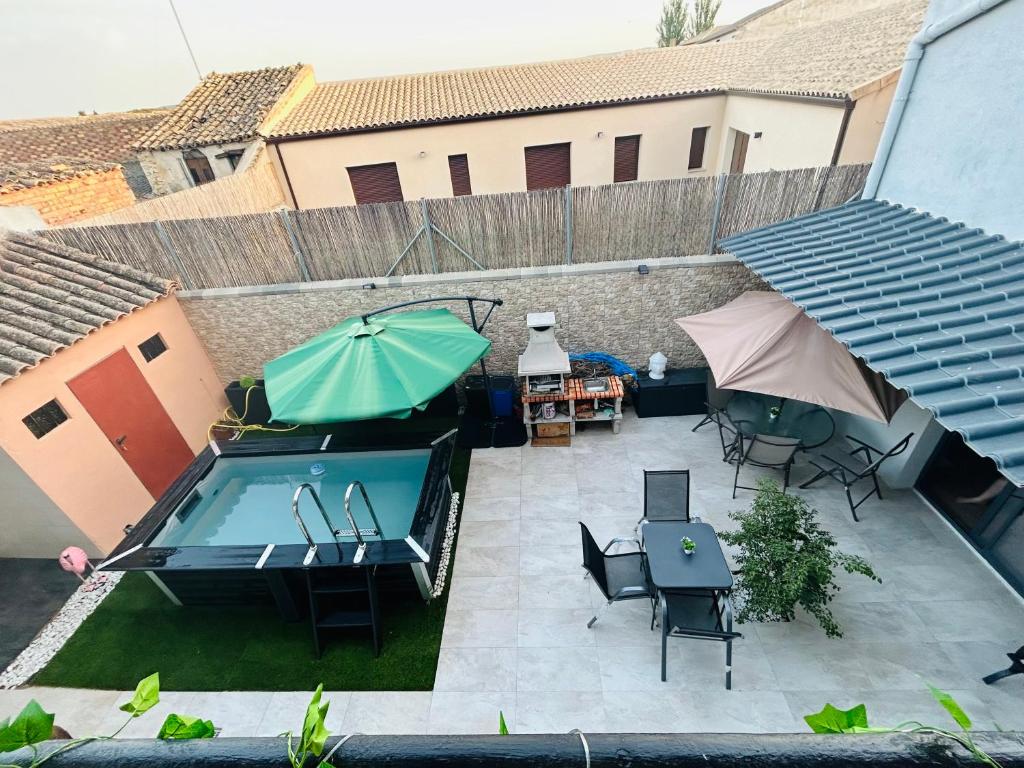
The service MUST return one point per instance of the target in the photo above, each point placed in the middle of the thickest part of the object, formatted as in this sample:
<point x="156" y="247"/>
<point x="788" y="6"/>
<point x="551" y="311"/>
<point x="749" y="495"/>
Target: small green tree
<point x="673" y="24"/>
<point x="787" y="559"/>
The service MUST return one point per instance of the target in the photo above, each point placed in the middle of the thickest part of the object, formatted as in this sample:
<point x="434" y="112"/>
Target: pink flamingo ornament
<point x="74" y="560"/>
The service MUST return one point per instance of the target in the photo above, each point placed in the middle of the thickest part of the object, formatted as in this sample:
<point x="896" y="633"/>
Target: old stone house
<point x="102" y="138"/>
<point x="218" y="128"/>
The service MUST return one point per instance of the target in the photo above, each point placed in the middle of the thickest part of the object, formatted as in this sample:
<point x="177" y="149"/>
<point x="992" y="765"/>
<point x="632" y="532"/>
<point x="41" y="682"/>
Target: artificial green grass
<point x="136" y="631"/>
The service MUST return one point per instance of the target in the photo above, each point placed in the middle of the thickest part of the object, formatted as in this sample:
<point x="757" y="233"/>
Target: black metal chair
<point x="1016" y="667"/>
<point x="666" y="496"/>
<point x="765" y="451"/>
<point x="717" y="400"/>
<point x="850" y="467"/>
<point x="729" y="434"/>
<point x="622" y="576"/>
<point x="698" y="617"/>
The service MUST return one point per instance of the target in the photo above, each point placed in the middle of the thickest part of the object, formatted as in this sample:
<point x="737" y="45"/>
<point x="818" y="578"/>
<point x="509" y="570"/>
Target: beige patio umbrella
<point x="762" y="342"/>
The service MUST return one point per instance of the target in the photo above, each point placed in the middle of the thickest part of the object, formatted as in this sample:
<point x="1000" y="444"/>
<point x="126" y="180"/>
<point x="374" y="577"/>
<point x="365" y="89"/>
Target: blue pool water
<point x="248" y="500"/>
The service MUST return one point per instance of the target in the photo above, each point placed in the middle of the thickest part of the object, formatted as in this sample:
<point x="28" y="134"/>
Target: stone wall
<point x="607" y="307"/>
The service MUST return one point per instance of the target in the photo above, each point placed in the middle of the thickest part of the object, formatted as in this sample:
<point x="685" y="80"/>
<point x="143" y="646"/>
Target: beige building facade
<point x="809" y="90"/>
<point x="783" y="133"/>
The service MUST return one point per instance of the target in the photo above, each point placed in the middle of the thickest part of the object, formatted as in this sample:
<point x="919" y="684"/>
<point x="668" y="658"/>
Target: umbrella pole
<point x="492" y="422"/>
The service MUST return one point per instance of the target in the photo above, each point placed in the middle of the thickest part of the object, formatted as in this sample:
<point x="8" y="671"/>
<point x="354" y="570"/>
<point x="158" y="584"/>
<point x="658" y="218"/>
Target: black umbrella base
<point x="501" y="432"/>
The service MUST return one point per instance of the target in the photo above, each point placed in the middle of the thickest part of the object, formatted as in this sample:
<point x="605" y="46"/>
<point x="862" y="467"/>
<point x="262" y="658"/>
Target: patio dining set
<point x="679" y="564"/>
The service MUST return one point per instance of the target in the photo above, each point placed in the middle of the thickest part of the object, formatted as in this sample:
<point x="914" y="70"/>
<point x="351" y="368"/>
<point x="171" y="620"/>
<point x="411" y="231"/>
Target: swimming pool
<point x="248" y="500"/>
<point x="226" y="532"/>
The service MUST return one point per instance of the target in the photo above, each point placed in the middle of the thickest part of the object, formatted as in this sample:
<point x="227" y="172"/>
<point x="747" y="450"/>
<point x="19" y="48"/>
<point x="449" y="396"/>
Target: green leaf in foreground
<point x="31" y="726"/>
<point x="950" y="705"/>
<point x="147" y="696"/>
<point x="502" y="728"/>
<point x="834" y="720"/>
<point x="314" y="732"/>
<point x="186" y="727"/>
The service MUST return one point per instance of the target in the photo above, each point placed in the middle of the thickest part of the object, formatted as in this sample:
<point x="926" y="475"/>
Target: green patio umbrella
<point x="380" y="366"/>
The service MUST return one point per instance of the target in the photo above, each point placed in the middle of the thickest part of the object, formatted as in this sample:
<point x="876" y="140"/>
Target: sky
<point x="62" y="56"/>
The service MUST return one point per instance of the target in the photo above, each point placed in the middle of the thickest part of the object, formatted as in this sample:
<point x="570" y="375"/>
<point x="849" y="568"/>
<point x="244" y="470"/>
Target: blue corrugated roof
<point x="934" y="306"/>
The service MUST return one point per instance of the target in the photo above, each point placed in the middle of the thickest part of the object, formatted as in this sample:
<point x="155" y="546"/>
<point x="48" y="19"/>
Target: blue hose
<point x="618" y="367"/>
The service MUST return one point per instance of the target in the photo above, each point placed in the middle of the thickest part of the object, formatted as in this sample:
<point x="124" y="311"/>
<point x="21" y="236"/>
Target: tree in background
<point x="673" y="24"/>
<point x="678" y="22"/>
<point x="703" y="16"/>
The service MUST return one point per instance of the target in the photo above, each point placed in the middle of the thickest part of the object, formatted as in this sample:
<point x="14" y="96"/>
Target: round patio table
<point x="751" y="412"/>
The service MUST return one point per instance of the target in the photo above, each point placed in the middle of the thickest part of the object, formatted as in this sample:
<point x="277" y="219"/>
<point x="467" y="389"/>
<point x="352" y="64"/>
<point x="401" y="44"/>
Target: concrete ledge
<point x="477" y="276"/>
<point x="697" y="750"/>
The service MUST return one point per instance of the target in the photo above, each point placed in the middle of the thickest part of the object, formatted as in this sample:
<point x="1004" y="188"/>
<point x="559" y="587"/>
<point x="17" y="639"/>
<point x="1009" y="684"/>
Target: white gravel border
<point x="58" y="631"/>
<point x="446" y="547"/>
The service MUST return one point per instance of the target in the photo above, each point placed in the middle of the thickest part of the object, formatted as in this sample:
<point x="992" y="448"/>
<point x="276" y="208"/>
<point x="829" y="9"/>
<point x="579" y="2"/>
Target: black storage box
<point x="503" y="395"/>
<point x="683" y="392"/>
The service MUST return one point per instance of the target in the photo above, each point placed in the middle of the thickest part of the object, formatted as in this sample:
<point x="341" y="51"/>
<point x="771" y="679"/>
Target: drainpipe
<point x="843" y="127"/>
<point x="900" y="98"/>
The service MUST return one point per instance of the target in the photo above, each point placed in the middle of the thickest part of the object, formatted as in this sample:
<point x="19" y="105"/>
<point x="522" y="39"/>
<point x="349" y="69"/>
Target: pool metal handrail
<point x="361" y="549"/>
<point x="311" y="553"/>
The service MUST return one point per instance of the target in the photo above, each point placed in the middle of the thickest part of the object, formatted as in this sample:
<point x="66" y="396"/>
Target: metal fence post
<point x="717" y="212"/>
<point x="172" y="254"/>
<point x="428" y="229"/>
<point x="300" y="257"/>
<point x="568" y="224"/>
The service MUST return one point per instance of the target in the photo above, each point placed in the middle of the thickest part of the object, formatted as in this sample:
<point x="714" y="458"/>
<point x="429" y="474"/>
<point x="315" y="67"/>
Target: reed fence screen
<point x="637" y="220"/>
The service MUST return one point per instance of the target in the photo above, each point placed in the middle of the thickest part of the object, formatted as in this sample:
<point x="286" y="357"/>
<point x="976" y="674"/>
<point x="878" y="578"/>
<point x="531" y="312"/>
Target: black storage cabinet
<point x="503" y="394"/>
<point x="683" y="392"/>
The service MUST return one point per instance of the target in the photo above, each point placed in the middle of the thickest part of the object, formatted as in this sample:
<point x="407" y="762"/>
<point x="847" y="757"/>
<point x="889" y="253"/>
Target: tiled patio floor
<point x="516" y="638"/>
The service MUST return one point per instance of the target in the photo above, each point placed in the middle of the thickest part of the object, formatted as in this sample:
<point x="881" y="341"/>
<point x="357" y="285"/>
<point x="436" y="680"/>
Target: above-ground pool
<point x="248" y="500"/>
<point x="225" y="531"/>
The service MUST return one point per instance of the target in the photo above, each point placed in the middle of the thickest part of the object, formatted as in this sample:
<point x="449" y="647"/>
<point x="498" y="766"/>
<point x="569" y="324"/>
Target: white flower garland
<point x="446" y="547"/>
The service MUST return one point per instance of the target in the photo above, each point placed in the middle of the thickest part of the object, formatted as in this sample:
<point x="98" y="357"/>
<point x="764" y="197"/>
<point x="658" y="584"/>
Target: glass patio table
<point x="751" y="412"/>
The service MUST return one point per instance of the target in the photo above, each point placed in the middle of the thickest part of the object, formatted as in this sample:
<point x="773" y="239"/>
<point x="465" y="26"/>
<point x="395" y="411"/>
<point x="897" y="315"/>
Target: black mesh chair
<point x="666" y="496"/>
<point x="698" y="617"/>
<point x="717" y="400"/>
<point x="622" y="576"/>
<point x="765" y="451"/>
<point x="850" y="467"/>
<point x="729" y="432"/>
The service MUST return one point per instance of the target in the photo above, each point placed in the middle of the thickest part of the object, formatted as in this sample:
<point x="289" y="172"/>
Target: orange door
<point x="123" y="405"/>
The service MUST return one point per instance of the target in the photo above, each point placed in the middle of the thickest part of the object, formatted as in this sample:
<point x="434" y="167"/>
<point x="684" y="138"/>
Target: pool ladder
<point x="311" y="553"/>
<point x="332" y="591"/>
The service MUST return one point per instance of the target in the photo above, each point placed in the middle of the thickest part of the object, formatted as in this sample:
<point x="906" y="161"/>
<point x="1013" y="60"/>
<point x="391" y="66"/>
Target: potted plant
<point x="257" y="411"/>
<point x="787" y="559"/>
<point x="689" y="545"/>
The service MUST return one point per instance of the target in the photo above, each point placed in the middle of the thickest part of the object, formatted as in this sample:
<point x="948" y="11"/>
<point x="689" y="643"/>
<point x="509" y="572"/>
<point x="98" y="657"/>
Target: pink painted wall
<point x="74" y="464"/>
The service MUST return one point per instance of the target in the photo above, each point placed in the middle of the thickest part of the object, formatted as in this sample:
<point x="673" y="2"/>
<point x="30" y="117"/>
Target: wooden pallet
<point x="559" y="441"/>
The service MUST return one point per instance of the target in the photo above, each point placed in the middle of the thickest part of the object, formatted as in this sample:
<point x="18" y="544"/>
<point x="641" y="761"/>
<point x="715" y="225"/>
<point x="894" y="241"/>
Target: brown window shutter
<point x="739" y="152"/>
<point x="547" y="166"/>
<point x="375" y="183"/>
<point x="698" y="140"/>
<point x="627" y="157"/>
<point x="458" y="167"/>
